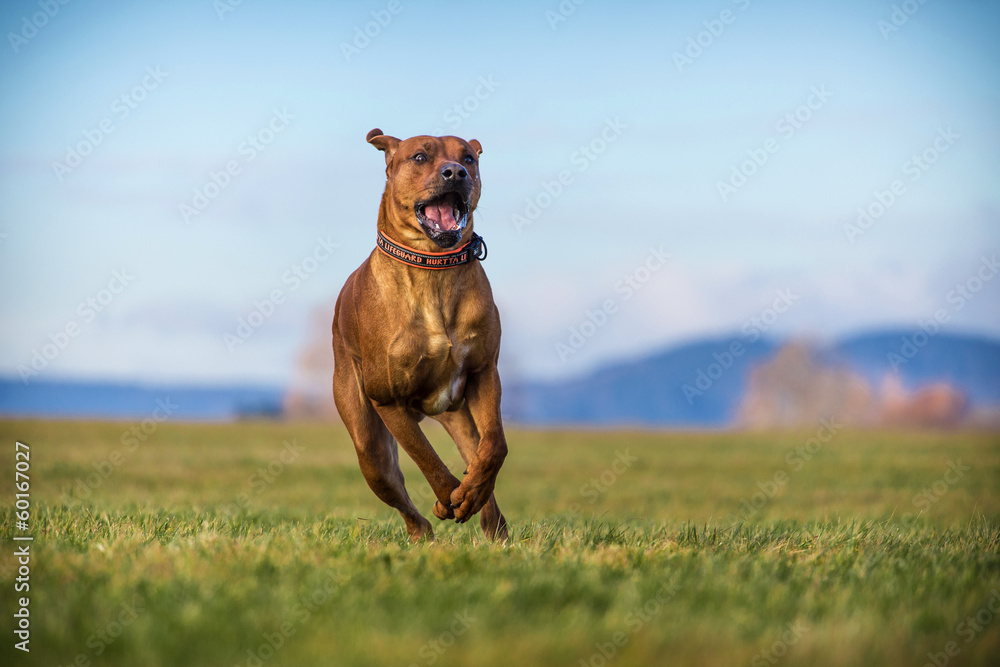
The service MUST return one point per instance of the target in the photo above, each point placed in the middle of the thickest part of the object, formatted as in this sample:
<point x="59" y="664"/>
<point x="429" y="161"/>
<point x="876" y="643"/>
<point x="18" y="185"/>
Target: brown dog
<point x="416" y="333"/>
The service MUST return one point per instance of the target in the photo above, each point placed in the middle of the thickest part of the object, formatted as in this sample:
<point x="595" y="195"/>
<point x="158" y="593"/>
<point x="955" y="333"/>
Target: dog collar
<point x="474" y="249"/>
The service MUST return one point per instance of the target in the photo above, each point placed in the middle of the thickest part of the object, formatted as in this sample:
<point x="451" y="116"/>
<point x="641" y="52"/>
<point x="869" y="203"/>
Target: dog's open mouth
<point x="443" y="218"/>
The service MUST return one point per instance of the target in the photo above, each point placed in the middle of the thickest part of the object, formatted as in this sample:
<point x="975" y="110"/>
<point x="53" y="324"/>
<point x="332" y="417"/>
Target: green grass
<point x="653" y="563"/>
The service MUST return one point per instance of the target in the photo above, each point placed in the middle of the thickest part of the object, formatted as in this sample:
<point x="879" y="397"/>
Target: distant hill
<point x="108" y="400"/>
<point x="970" y="363"/>
<point x="698" y="385"/>
<point x="651" y="390"/>
<point x="647" y="391"/>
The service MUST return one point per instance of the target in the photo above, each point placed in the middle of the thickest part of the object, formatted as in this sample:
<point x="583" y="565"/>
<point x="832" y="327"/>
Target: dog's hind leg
<point x="377" y="452"/>
<point x="462" y="429"/>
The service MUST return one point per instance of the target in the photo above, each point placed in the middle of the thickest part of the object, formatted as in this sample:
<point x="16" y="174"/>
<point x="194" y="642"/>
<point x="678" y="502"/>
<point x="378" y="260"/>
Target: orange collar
<point x="474" y="249"/>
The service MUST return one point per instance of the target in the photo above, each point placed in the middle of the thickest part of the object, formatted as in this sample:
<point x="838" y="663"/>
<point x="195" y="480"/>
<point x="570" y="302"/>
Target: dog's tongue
<point x="442" y="214"/>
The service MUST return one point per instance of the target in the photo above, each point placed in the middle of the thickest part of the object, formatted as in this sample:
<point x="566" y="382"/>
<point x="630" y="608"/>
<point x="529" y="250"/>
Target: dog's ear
<point x="384" y="143"/>
<point x="478" y="147"/>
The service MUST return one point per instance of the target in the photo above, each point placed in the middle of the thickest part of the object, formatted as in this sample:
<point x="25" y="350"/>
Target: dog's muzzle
<point x="443" y="217"/>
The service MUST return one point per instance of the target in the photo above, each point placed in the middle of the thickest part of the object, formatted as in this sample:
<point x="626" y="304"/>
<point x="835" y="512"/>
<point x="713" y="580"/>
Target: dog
<point x="416" y="333"/>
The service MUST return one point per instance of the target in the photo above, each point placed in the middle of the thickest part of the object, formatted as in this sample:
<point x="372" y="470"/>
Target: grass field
<point x="212" y="544"/>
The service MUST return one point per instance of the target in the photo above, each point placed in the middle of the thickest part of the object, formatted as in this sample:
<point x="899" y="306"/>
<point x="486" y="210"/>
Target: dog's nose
<point x="453" y="171"/>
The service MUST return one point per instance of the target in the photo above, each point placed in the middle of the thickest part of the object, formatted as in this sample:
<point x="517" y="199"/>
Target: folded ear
<point x="384" y="143"/>
<point x="478" y="147"/>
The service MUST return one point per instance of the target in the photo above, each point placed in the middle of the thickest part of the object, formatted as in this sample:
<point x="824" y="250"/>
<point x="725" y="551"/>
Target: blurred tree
<point x="310" y="396"/>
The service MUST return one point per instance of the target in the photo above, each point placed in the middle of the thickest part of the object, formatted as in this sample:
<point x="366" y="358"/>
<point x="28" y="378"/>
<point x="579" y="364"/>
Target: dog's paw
<point x="442" y="512"/>
<point x="419" y="529"/>
<point x="472" y="495"/>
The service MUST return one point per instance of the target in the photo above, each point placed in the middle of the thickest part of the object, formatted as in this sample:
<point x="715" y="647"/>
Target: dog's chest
<point x="427" y="362"/>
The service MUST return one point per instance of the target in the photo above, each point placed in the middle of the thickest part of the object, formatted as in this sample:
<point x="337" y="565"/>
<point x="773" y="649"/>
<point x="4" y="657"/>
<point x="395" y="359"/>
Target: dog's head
<point x="432" y="185"/>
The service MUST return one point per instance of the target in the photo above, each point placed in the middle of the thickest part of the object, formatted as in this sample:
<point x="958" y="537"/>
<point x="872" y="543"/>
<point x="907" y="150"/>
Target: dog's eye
<point x="468" y="159"/>
<point x="419" y="157"/>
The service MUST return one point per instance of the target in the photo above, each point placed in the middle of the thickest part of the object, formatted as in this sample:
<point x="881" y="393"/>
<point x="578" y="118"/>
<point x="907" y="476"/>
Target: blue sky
<point x="536" y="93"/>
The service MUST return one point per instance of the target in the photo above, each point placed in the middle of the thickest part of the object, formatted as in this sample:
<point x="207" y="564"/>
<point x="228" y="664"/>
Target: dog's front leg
<point x="406" y="431"/>
<point x="482" y="392"/>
